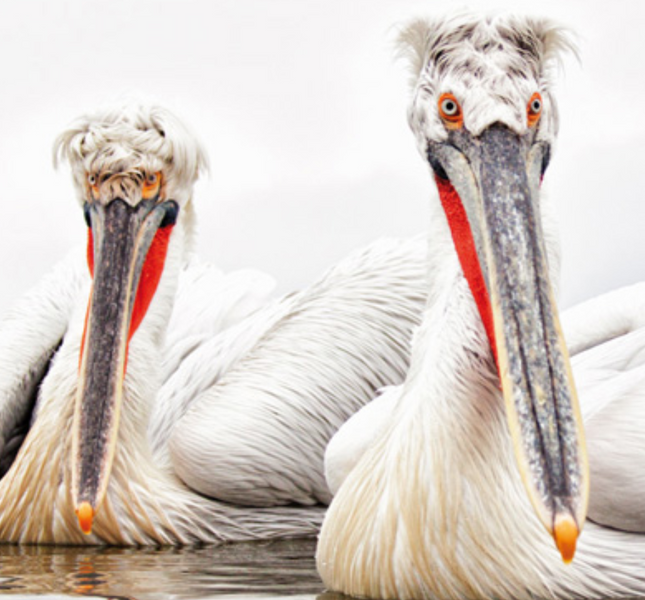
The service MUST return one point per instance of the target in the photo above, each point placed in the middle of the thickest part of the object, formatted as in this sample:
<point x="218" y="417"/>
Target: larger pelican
<point x="129" y="433"/>
<point x="465" y="487"/>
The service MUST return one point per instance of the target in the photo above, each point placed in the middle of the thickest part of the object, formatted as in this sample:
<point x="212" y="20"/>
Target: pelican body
<point x="161" y="401"/>
<point x="475" y="483"/>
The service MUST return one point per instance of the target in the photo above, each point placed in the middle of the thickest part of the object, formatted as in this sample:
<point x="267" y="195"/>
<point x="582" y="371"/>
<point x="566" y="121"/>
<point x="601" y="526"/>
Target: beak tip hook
<point x="85" y="514"/>
<point x="565" y="534"/>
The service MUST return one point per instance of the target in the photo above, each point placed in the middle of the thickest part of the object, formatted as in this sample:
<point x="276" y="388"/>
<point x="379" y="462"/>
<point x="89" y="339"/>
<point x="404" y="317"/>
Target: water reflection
<point x="267" y="569"/>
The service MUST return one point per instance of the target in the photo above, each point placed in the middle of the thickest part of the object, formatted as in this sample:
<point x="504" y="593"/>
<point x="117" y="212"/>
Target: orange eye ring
<point x="450" y="111"/>
<point x="151" y="185"/>
<point x="534" y="109"/>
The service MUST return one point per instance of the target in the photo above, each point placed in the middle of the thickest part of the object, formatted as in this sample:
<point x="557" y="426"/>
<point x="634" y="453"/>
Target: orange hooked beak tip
<point x="565" y="534"/>
<point x="85" y="514"/>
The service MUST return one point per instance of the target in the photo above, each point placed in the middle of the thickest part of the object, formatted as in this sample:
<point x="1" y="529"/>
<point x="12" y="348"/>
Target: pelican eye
<point x="450" y="111"/>
<point x="93" y="182"/>
<point x="151" y="185"/>
<point x="534" y="109"/>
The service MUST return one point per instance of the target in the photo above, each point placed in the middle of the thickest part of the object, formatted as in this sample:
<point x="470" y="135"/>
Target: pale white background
<point x="302" y="108"/>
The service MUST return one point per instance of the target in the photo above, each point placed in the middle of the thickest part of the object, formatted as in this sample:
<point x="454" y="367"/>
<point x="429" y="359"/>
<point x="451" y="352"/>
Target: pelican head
<point x="133" y="167"/>
<point x="485" y="120"/>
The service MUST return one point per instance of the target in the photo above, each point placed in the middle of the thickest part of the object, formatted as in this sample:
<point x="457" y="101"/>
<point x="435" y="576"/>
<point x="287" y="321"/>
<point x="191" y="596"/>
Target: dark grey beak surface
<point x="122" y="236"/>
<point x="497" y="177"/>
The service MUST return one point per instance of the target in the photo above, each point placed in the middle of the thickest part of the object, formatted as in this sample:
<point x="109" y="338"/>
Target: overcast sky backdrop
<point x="301" y="106"/>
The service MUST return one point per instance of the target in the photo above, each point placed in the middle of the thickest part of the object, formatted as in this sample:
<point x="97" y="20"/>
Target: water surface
<point x="276" y="569"/>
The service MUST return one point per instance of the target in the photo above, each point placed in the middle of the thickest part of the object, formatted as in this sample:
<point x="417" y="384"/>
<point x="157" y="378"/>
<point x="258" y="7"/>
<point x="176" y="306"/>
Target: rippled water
<point x="260" y="569"/>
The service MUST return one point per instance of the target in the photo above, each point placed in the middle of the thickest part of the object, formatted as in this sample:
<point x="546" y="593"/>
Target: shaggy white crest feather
<point x="132" y="138"/>
<point x="472" y="57"/>
<point x="434" y="507"/>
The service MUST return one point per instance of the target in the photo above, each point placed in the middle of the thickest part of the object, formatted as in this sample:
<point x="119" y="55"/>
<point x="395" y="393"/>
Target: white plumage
<point x="431" y="503"/>
<point x="226" y="393"/>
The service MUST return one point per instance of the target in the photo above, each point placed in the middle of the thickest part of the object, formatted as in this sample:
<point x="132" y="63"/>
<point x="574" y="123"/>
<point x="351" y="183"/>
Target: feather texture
<point x="227" y="392"/>
<point x="433" y="505"/>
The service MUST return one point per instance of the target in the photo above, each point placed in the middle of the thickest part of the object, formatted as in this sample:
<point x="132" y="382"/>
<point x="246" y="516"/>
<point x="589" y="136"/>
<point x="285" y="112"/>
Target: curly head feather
<point x="492" y="64"/>
<point x="131" y="139"/>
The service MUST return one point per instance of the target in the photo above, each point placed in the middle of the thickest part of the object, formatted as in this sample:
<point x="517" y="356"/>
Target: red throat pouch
<point x="462" y="237"/>
<point x="150" y="276"/>
<point x="148" y="281"/>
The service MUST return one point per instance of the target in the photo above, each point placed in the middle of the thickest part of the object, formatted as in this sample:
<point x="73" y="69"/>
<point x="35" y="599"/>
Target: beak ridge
<point x="121" y="237"/>
<point x="497" y="177"/>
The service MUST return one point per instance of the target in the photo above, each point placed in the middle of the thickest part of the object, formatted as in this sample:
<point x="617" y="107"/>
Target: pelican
<point x="474" y="479"/>
<point x="159" y="401"/>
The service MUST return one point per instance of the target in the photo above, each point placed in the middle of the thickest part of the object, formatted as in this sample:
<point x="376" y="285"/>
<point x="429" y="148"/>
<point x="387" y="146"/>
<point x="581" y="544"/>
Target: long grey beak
<point x="122" y="236"/>
<point x="497" y="177"/>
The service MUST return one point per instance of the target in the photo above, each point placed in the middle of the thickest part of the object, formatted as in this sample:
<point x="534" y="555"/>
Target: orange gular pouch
<point x="462" y="238"/>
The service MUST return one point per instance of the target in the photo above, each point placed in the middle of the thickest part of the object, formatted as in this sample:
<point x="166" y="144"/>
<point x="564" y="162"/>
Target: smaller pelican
<point x="162" y="415"/>
<point x="480" y="464"/>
